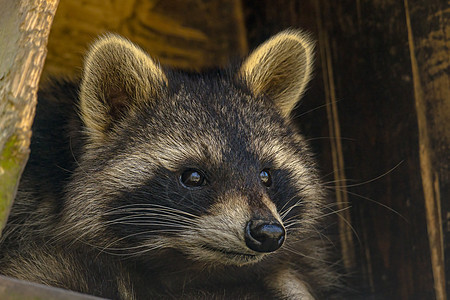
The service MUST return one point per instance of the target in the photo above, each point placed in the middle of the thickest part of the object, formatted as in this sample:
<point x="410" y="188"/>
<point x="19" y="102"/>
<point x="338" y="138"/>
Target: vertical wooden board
<point x="192" y="34"/>
<point x="264" y="18"/>
<point x="374" y="82"/>
<point x="429" y="42"/>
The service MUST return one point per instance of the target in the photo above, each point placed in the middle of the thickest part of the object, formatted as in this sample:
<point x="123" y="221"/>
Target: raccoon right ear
<point x="280" y="68"/>
<point x="117" y="76"/>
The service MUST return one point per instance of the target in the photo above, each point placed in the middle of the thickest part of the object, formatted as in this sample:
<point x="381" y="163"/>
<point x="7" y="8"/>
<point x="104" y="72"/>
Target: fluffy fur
<point x="102" y="207"/>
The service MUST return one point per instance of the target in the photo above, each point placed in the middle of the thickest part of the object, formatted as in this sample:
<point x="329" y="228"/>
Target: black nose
<point x="264" y="236"/>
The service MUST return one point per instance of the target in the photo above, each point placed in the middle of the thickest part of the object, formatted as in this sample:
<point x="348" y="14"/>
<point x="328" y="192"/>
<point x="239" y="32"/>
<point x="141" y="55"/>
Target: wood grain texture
<point x="335" y="136"/>
<point x="375" y="83"/>
<point x="24" y="29"/>
<point x="430" y="64"/>
<point x="191" y="34"/>
<point x="384" y="109"/>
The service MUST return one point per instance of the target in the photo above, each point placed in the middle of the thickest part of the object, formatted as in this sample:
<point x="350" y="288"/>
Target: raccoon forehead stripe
<point x="136" y="166"/>
<point x="172" y="151"/>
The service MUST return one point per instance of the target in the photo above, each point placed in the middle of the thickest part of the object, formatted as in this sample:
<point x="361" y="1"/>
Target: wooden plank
<point x="14" y="289"/>
<point x="375" y="82"/>
<point x="340" y="179"/>
<point x="430" y="63"/>
<point x="24" y="29"/>
<point x="189" y="34"/>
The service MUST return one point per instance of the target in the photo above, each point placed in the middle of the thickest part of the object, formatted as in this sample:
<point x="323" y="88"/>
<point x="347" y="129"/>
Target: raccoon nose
<point x="264" y="236"/>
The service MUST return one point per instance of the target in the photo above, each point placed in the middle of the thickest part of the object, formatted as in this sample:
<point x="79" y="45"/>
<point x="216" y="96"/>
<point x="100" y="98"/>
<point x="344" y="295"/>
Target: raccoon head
<point x="206" y="164"/>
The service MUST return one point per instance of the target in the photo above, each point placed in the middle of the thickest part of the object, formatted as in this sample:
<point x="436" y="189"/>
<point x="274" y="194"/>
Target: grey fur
<point x="101" y="209"/>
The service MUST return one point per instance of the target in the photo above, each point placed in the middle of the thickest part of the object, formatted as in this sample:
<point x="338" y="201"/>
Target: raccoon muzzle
<point x="264" y="236"/>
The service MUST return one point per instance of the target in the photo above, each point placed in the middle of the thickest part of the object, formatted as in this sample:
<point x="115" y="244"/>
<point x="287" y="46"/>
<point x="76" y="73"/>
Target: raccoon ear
<point x="117" y="76"/>
<point x="280" y="68"/>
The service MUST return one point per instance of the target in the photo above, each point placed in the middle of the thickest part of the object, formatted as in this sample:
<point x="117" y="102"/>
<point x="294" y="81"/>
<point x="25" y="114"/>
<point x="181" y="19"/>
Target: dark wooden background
<point x="377" y="111"/>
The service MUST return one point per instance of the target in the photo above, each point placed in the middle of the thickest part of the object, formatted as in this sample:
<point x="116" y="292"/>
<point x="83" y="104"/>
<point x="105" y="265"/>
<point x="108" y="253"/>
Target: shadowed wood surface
<point x="429" y="45"/>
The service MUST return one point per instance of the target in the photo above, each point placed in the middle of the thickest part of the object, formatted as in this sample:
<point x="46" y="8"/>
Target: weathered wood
<point x="429" y="46"/>
<point x="24" y="29"/>
<point x="383" y="108"/>
<point x="14" y="289"/>
<point x="335" y="140"/>
<point x="190" y="34"/>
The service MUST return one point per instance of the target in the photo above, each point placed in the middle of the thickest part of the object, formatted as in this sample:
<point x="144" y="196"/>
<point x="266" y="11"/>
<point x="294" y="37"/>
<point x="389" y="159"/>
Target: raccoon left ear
<point x="280" y="68"/>
<point x="117" y="77"/>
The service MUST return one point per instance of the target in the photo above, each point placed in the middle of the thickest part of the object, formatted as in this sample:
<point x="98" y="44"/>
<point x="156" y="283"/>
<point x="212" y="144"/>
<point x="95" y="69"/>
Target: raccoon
<point x="146" y="182"/>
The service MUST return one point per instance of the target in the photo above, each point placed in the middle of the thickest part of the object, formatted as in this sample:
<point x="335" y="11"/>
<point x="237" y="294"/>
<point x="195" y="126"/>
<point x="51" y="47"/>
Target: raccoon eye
<point x="265" y="178"/>
<point x="192" y="178"/>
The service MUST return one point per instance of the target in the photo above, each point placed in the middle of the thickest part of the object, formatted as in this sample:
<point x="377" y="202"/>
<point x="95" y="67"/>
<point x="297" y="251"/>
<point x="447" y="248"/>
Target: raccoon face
<point x="208" y="165"/>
